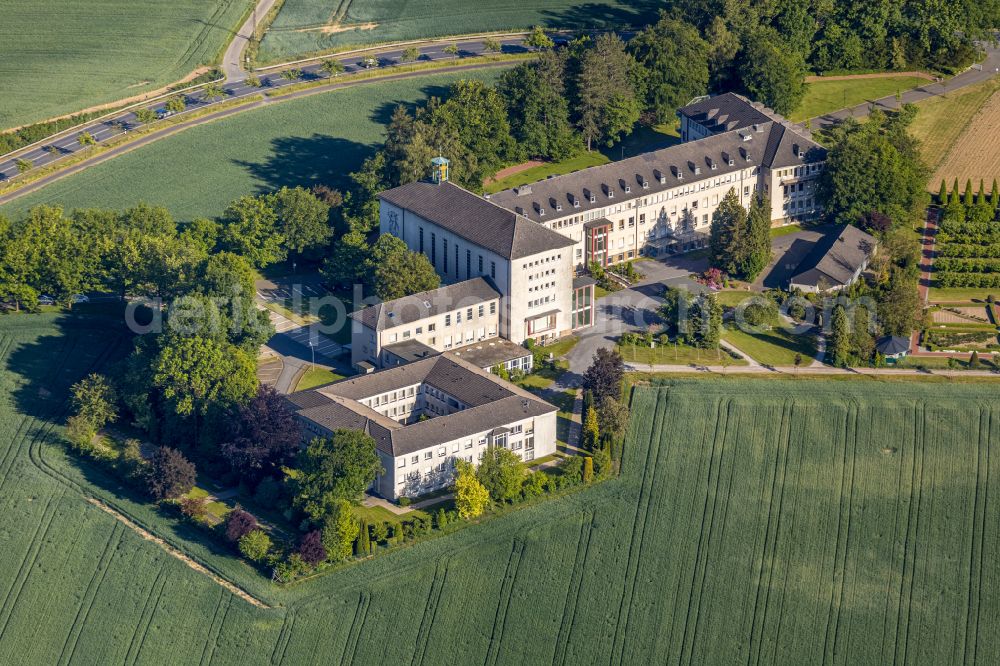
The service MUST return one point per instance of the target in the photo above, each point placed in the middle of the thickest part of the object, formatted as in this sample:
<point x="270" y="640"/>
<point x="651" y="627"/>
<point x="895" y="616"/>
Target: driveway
<point x="632" y="309"/>
<point x="787" y="253"/>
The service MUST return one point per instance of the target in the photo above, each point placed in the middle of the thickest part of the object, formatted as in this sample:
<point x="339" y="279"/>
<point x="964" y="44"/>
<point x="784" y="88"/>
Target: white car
<point x="369" y="63"/>
<point x="80" y="298"/>
<point x="46" y="300"/>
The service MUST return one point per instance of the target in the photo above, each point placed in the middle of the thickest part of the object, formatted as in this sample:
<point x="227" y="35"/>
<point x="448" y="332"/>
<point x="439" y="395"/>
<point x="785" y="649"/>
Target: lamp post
<point x="312" y="348"/>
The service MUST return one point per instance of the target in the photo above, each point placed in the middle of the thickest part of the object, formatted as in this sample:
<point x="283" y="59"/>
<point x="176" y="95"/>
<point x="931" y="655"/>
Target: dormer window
<point x="645" y="184"/>
<point x="611" y="193"/>
<point x="731" y="161"/>
<point x="576" y="202"/>
<point x="697" y="170"/>
<point x="558" y="206"/>
<point x="593" y="198"/>
<point x="628" y="188"/>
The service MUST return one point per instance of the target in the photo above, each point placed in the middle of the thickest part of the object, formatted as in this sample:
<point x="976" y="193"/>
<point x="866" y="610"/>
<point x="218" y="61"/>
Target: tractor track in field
<point x="503" y="605"/>
<point x="573" y="589"/>
<point x="284" y="637"/>
<point x="93" y="587"/>
<point x="357" y="627"/>
<point x="636" y="539"/>
<point x="145" y="618"/>
<point x="218" y="621"/>
<point x="430" y="610"/>
<point x="912" y="533"/>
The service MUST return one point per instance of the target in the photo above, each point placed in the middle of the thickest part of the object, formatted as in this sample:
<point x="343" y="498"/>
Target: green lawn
<point x="197" y="172"/>
<point x="777" y="232"/>
<point x="582" y="161"/>
<point x="63" y="56"/>
<point x="753" y="519"/>
<point x="731" y="298"/>
<point x="299" y="26"/>
<point x="825" y="96"/>
<point x="938" y="294"/>
<point x="775" y="347"/>
<point x="676" y="355"/>
<point x="317" y="376"/>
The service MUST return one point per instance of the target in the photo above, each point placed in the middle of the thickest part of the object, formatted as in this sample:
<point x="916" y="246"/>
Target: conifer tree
<point x="588" y="470"/>
<point x="943" y="193"/>
<point x="967" y="197"/>
<point x="839" y="343"/>
<point x="364" y="540"/>
<point x="994" y="195"/>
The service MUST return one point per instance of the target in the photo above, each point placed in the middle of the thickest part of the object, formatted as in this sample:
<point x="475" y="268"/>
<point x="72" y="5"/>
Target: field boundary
<point x="174" y="552"/>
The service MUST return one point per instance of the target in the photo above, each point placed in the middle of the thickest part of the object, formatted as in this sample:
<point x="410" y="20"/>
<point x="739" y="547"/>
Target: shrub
<point x="194" y="508"/>
<point x="239" y="523"/>
<point x="169" y="474"/>
<point x="255" y="545"/>
<point x="311" y="548"/>
<point x="587" y="474"/>
<point x="403" y="501"/>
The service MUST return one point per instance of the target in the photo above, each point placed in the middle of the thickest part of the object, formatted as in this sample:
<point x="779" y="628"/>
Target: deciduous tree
<point x="501" y="472"/>
<point x="169" y="474"/>
<point x="340" y="467"/>
<point x="264" y="435"/>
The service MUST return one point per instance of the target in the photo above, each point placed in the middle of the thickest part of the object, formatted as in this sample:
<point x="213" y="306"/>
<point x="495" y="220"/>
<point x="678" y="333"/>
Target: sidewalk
<point x="808" y="370"/>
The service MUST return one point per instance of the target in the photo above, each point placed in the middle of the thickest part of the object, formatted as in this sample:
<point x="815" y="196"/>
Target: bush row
<point x="975" y="280"/>
<point x="967" y="265"/>
<point x="970" y="249"/>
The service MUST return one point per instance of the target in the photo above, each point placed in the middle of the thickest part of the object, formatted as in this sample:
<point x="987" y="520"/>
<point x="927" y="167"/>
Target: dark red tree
<point x="265" y="436"/>
<point x="311" y="548"/>
<point x="605" y="374"/>
<point x="238" y="523"/>
<point x="170" y="474"/>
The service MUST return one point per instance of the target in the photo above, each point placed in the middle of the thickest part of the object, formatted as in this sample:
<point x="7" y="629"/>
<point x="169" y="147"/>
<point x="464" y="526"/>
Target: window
<point x="431" y="328"/>
<point x="447" y="320"/>
<point x="493" y="307"/>
<point x="415" y="460"/>
<point x="419" y="330"/>
<point x="434" y="261"/>
<point x="482" y="310"/>
<point x="468" y="314"/>
<point x="454" y="447"/>
<point x="421" y="236"/>
<point x="468" y="443"/>
<point x="401" y="462"/>
<point x="428" y="455"/>
<point x="444" y="253"/>
<point x="480" y="264"/>
<point x="493" y="269"/>
<point x="442" y="451"/>
<point x="458" y="317"/>
<point x="468" y="264"/>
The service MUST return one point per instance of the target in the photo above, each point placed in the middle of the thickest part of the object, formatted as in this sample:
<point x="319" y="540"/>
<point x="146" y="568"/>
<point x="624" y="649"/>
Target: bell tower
<point x="439" y="170"/>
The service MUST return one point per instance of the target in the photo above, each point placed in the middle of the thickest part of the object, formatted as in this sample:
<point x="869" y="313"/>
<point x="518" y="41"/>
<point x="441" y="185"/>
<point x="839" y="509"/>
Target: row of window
<point x="444" y="254"/>
<point x="541" y="301"/>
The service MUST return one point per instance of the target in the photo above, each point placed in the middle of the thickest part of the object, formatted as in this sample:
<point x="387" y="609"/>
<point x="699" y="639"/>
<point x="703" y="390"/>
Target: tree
<point x="340" y="467"/>
<point x="728" y="237"/>
<point x="605" y="374"/>
<point x="340" y="529"/>
<point x="311" y="548"/>
<point x="537" y="39"/>
<point x="197" y="373"/>
<point x="264" y="436"/>
<point x="292" y="74"/>
<point x="501" y="472"/>
<point x="875" y="166"/>
<point x="364" y="540"/>
<point x="974" y="361"/>
<point x="587" y="475"/>
<point x="170" y="474"/>
<point x="705" y="322"/>
<point x="839" y="341"/>
<point x="213" y="91"/>
<point x="145" y="116"/>
<point x="175" y="104"/>
<point x="85" y="139"/>
<point x="771" y="74"/>
<point x="899" y="306"/>
<point x="942" y="197"/>
<point x="95" y="400"/>
<point x="303" y="219"/>
<point x="724" y="44"/>
<point x="255" y="545"/>
<point x="591" y="429"/>
<point x="608" y="91"/>
<point x="238" y="524"/>
<point x="451" y="49"/>
<point x="492" y="45"/>
<point x="332" y="67"/>
<point x="538" y="107"/>
<point x="862" y="340"/>
<point x="675" y="58"/>
<point x="758" y="244"/>
<point x="405" y="274"/>
<point x="614" y="419"/>
<point x="250" y="229"/>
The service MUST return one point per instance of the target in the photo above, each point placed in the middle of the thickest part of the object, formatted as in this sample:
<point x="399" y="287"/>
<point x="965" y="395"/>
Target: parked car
<point x="163" y="113"/>
<point x="80" y="298"/>
<point x="46" y="300"/>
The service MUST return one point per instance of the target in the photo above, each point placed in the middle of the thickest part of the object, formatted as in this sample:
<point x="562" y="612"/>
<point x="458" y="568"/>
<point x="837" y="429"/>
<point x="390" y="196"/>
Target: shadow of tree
<point x="601" y="16"/>
<point x="308" y="161"/>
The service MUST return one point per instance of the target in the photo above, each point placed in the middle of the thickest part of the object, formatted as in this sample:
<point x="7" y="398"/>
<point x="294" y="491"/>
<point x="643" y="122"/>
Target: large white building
<point x="664" y="200"/>
<point x="466" y="236"/>
<point x="426" y="415"/>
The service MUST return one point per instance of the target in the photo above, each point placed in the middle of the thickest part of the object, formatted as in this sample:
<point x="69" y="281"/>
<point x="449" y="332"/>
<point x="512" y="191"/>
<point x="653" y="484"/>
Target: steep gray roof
<point x="769" y="144"/>
<point x="726" y="112"/>
<point x="836" y="258"/>
<point x="892" y="345"/>
<point x="492" y="403"/>
<point x="476" y="219"/>
<point x="427" y="304"/>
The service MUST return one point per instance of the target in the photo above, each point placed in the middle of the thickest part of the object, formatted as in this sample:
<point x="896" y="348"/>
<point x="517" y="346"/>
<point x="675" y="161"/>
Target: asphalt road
<point x="232" y="60"/>
<point x="64" y="145"/>
<point x="990" y="69"/>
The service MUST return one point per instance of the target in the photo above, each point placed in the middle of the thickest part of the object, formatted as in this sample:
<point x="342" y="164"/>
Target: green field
<point x="775" y="347"/>
<point x="825" y="96"/>
<point x="755" y="521"/>
<point x="309" y="26"/>
<point x="61" y="56"/>
<point x="197" y="172"/>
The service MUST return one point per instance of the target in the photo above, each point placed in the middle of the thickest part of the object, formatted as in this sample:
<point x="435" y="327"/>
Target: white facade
<point x="536" y="290"/>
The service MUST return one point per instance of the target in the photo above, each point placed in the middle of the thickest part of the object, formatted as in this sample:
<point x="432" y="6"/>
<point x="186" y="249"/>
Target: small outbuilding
<point x="893" y="347"/>
<point x="836" y="262"/>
